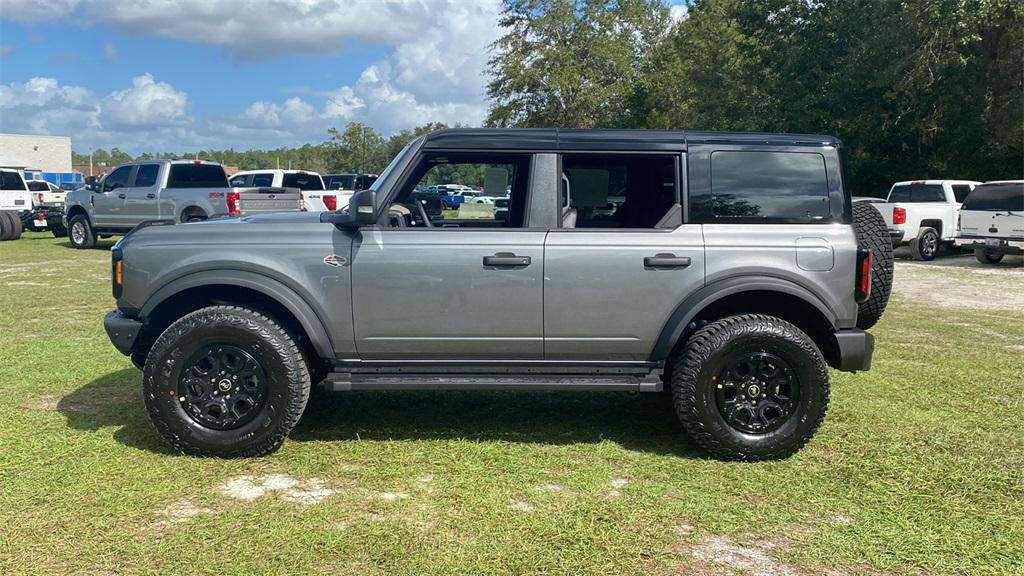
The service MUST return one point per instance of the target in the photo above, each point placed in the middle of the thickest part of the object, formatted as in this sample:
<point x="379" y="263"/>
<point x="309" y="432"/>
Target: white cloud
<point x="433" y="71"/>
<point x="33" y="10"/>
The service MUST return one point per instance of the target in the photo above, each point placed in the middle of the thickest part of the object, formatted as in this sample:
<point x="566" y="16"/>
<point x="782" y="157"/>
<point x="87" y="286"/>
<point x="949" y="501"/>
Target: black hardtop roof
<point x="606" y="139"/>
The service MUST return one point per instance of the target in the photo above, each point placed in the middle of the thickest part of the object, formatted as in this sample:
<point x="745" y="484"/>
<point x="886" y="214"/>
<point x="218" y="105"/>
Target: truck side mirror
<point x="362" y="211"/>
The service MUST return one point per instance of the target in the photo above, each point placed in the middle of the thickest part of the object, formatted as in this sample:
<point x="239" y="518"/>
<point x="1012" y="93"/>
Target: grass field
<point x="918" y="469"/>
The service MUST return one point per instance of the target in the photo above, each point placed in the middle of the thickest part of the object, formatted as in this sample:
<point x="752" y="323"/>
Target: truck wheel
<point x="872" y="233"/>
<point x="750" y="387"/>
<point x="986" y="257"/>
<point x="59" y="231"/>
<point x="225" y="381"/>
<point x="80" y="232"/>
<point x="6" y="226"/>
<point x="926" y="245"/>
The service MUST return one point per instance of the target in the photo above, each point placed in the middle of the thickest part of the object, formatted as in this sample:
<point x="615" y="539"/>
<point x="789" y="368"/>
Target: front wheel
<point x="986" y="257"/>
<point x="225" y="381"/>
<point x="80" y="232"/>
<point x="750" y="387"/>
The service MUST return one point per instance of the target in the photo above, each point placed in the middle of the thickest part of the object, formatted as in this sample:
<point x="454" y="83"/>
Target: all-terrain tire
<point x="926" y="246"/>
<point x="287" y="382"/>
<point x="695" y="372"/>
<point x="873" y="233"/>
<point x="986" y="257"/>
<point x="80" y="233"/>
<point x="11" y="227"/>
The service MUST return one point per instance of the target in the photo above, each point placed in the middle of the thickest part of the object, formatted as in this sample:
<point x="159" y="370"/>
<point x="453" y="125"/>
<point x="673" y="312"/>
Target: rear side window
<point x="996" y="198"/>
<point x="917" y="193"/>
<point x="302" y="181"/>
<point x="758" y="186"/>
<point x="146" y="176"/>
<point x="11" y="181"/>
<point x="197" y="176"/>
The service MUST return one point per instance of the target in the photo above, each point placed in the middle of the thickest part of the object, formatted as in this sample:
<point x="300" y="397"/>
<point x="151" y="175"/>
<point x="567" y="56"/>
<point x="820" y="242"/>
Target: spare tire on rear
<point x="872" y="233"/>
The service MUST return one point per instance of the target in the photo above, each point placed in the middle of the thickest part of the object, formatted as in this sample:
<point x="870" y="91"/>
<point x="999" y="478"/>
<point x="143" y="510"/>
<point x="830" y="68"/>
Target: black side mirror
<point x="362" y="211"/>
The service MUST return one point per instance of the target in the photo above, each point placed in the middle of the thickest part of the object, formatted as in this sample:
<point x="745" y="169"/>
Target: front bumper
<point x="122" y="330"/>
<point x="854" y="349"/>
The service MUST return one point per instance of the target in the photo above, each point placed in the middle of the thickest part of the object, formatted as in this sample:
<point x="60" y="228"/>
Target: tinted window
<point x="302" y="181"/>
<point x="617" y="191"/>
<point x="340" y="182"/>
<point x="917" y="193"/>
<point x="117" y="179"/>
<point x="262" y="179"/>
<point x="197" y="176"/>
<point x="996" y="198"/>
<point x="11" y="181"/>
<point x="960" y="192"/>
<point x="776" y="185"/>
<point x="37" y="186"/>
<point x="146" y="176"/>
<point x="238" y="181"/>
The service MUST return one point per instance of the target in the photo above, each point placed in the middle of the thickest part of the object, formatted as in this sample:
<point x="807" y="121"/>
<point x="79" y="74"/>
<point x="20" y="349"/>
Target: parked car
<point x="15" y="201"/>
<point x="922" y="214"/>
<point x="992" y="220"/>
<point x="170" y="190"/>
<point x="47" y="208"/>
<point x="754" y="283"/>
<point x="314" y="197"/>
<point x="69" y="186"/>
<point x="349" y="182"/>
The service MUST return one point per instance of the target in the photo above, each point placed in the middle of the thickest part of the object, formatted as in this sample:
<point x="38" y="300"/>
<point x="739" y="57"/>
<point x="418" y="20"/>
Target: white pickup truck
<point x="922" y="214"/>
<point x="314" y="196"/>
<point x="175" y="190"/>
<point x="15" y="201"/>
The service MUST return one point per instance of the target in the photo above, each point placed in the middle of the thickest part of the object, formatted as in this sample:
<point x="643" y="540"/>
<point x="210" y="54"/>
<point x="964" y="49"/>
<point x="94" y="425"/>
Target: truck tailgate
<point x="266" y="199"/>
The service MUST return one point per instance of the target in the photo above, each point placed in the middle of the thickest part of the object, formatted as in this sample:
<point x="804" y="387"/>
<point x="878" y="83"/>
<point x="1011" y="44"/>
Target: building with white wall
<point x="36" y="153"/>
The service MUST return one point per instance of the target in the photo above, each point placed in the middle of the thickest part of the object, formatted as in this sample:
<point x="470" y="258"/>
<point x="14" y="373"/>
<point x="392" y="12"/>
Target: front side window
<point x="996" y="198"/>
<point x="463" y="192"/>
<point x="759" y="186"/>
<point x="146" y="176"/>
<point x="239" y="180"/>
<point x="117" y="179"/>
<point x="610" y="191"/>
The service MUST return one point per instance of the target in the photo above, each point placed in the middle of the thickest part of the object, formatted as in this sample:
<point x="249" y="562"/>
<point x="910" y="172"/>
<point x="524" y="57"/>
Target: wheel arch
<point x="935" y="223"/>
<point x="76" y="210"/>
<point x="202" y="289"/>
<point x="189" y="210"/>
<point x="763" y="295"/>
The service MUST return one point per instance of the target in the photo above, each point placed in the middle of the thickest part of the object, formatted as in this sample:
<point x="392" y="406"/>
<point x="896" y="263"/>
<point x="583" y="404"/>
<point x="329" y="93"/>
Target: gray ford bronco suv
<point x="729" y="268"/>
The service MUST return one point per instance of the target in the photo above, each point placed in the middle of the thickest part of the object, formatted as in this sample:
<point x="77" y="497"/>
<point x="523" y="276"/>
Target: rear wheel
<point x="986" y="257"/>
<point x="10" y="227"/>
<point x="872" y="233"/>
<point x="750" y="387"/>
<point x="225" y="381"/>
<point x="80" y="232"/>
<point x="926" y="246"/>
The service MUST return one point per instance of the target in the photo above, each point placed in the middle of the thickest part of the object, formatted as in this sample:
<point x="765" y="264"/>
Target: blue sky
<point x="184" y="75"/>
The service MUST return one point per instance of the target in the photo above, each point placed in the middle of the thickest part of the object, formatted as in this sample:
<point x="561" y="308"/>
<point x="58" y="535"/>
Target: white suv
<point x="992" y="220"/>
<point x="311" y="185"/>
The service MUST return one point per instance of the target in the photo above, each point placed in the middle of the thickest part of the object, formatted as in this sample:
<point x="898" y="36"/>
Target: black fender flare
<point x="269" y="287"/>
<point x="694" y="304"/>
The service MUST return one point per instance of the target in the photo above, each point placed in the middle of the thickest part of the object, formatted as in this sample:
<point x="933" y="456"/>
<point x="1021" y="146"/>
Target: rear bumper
<point x="122" y="330"/>
<point x="1003" y="247"/>
<point x="896" y="235"/>
<point x="855" y="348"/>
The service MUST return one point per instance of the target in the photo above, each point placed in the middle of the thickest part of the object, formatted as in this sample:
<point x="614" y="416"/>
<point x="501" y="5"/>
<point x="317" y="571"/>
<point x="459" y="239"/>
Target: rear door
<point x="468" y="288"/>
<point x="622" y="259"/>
<point x="140" y="199"/>
<point x="994" y="211"/>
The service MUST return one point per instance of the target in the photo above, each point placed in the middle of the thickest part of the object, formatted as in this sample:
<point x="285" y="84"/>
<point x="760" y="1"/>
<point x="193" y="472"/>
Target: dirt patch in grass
<point x="306" y="491"/>
<point x="955" y="283"/>
<point x="172" y="516"/>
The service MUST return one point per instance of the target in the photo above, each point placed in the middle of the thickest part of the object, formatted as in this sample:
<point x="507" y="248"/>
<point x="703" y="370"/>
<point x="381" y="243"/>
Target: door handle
<point x="666" y="261"/>
<point x="122" y="196"/>
<point x="506" y="260"/>
<point x="151" y="195"/>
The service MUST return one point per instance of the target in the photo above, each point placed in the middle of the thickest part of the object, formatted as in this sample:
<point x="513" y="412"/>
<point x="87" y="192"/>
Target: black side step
<point x="346" y="381"/>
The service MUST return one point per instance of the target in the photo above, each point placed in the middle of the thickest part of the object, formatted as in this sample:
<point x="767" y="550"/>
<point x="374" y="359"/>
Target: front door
<point x="468" y="286"/>
<point x="140" y="203"/>
<point x="108" y="201"/>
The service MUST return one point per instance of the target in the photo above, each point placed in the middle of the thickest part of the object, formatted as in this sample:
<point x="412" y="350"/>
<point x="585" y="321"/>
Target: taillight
<point x="39" y="198"/>
<point x="302" y="202"/>
<point x="41" y="217"/>
<point x="331" y="201"/>
<point x="864" y="257"/>
<point x="233" y="199"/>
<point x="899" y="215"/>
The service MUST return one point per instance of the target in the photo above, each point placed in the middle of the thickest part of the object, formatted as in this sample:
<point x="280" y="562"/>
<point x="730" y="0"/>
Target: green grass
<point x="919" y="467"/>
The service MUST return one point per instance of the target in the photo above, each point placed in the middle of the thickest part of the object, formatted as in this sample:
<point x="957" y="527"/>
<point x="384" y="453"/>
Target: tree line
<point x="914" y="88"/>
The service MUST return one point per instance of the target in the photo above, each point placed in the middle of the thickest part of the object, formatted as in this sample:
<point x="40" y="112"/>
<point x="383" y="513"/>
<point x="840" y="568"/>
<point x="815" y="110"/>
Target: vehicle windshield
<point x="387" y="171"/>
<point x="1007" y="197"/>
<point x="302" y="181"/>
